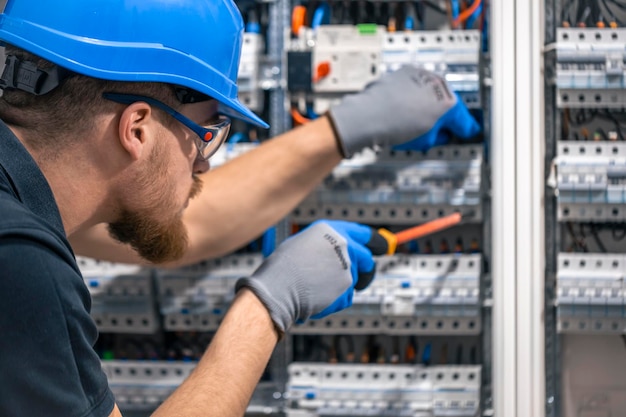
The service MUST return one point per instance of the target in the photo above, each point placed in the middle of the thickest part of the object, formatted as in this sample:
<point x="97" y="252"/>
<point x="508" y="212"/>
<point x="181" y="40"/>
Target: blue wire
<point x="310" y="113"/>
<point x="321" y="16"/>
<point x="269" y="241"/>
<point x="409" y="23"/>
<point x="455" y="9"/>
<point x="472" y="19"/>
<point x="426" y="354"/>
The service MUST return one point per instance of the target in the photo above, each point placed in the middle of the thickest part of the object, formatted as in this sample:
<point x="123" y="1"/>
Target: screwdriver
<point x="385" y="242"/>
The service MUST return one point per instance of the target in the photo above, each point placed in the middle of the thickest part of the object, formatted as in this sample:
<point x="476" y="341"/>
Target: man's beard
<point x="156" y="240"/>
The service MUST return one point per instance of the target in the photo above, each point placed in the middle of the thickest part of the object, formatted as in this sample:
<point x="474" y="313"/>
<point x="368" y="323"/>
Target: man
<point x="110" y="114"/>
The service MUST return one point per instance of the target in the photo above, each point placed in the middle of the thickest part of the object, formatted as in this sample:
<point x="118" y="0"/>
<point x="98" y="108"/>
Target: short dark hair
<point x="52" y="121"/>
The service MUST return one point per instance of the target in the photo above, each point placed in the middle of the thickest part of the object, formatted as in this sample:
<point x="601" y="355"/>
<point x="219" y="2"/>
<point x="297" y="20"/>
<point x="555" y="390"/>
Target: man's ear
<point x="135" y="128"/>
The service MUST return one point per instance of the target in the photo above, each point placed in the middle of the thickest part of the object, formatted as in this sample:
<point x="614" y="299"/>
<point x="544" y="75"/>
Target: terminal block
<point x="591" y="181"/>
<point x="345" y="58"/>
<point x="412" y="294"/>
<point x="590" y="67"/>
<point x="590" y="293"/>
<point x="382" y="390"/>
<point x="249" y="75"/>
<point x="400" y="187"/>
<point x="122" y="296"/>
<point x="196" y="298"/>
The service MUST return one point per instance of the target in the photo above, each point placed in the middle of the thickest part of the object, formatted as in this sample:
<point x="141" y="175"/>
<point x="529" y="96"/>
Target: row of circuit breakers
<point x="411" y="295"/>
<point x="589" y="176"/>
<point x="325" y="63"/>
<point x="431" y="292"/>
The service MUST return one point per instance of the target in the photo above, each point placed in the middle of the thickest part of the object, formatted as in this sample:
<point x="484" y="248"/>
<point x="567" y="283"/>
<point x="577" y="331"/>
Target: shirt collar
<point x="27" y="181"/>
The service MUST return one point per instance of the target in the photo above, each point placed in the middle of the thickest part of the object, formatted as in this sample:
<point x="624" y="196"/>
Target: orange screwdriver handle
<point x="428" y="228"/>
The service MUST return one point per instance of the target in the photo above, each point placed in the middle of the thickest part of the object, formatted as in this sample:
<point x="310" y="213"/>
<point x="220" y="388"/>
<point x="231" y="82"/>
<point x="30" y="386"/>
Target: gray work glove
<point x="410" y="107"/>
<point x="313" y="274"/>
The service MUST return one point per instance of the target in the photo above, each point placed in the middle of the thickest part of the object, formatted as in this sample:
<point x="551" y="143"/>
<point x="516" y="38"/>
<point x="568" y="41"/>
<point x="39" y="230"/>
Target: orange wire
<point x="298" y="17"/>
<point x="298" y="118"/>
<point x="463" y="16"/>
<point x="428" y="228"/>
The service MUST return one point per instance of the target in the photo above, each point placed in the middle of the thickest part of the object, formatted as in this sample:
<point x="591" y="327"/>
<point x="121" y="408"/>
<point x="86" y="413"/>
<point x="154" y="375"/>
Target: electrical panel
<point x="413" y="343"/>
<point x="585" y="63"/>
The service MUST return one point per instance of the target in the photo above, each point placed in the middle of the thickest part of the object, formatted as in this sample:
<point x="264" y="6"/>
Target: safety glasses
<point x="209" y="138"/>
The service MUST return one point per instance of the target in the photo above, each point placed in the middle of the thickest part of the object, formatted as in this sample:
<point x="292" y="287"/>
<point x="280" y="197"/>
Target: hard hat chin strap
<point x="26" y="76"/>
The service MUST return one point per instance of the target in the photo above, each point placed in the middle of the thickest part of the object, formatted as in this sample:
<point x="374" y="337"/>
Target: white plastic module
<point x="122" y="296"/>
<point x="139" y="385"/>
<point x="452" y="54"/>
<point x="590" y="67"/>
<point x="400" y="187"/>
<point x="345" y="58"/>
<point x="383" y="390"/>
<point x="591" y="181"/>
<point x="197" y="297"/>
<point x="248" y="77"/>
<point x="590" y="293"/>
<point x="354" y="57"/>
<point x="412" y="294"/>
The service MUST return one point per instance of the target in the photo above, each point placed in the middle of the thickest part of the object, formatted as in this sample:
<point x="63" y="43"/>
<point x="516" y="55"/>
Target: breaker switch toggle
<point x="322" y="71"/>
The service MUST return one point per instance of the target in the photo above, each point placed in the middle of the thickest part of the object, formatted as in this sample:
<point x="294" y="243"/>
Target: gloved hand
<point x="410" y="107"/>
<point x="314" y="273"/>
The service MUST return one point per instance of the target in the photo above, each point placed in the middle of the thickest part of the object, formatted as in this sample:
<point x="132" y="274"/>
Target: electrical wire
<point x="298" y="19"/>
<point x="454" y="9"/>
<point x="298" y="118"/>
<point x="610" y="15"/>
<point x="467" y="13"/>
<point x="566" y="12"/>
<point x="578" y="243"/>
<point x="321" y="16"/>
<point x="596" y="238"/>
<point x="474" y="17"/>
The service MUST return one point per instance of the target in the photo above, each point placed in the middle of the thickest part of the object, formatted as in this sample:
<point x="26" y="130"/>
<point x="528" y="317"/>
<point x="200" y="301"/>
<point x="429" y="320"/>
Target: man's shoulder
<point x="18" y="222"/>
<point x="15" y="216"/>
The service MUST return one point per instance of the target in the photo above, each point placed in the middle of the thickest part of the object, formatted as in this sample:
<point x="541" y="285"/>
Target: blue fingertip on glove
<point x="357" y="236"/>
<point x="457" y="121"/>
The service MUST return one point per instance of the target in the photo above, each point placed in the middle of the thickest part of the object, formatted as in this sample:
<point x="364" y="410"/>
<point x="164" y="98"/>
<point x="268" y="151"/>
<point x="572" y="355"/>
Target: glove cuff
<point x="340" y="145"/>
<point x="351" y="136"/>
<point x="278" y="312"/>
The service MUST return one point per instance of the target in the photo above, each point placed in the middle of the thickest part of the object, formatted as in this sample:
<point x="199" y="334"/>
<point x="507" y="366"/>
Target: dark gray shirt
<point x="48" y="366"/>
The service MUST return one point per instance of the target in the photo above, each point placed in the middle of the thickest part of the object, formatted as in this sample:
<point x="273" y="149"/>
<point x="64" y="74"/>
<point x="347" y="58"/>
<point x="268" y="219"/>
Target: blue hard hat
<point x="191" y="43"/>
